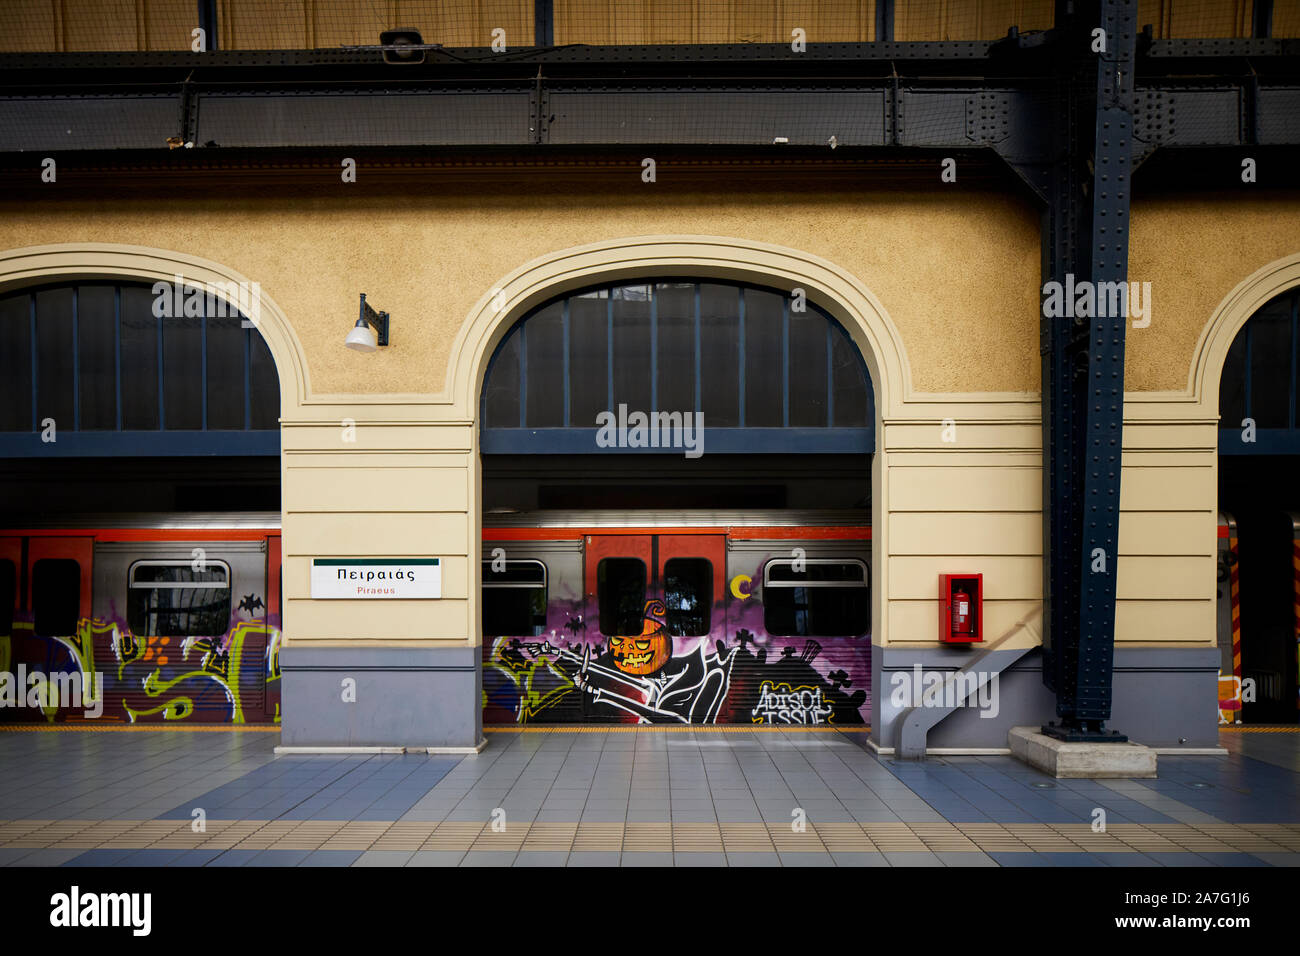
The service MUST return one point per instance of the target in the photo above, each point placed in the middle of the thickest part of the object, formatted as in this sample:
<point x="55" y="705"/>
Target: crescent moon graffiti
<point x="736" y="582"/>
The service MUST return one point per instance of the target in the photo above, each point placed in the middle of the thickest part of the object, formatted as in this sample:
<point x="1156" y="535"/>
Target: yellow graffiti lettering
<point x="531" y="700"/>
<point x="178" y="708"/>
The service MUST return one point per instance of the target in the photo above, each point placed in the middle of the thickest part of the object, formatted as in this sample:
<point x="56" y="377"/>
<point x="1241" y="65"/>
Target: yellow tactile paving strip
<point x="92" y="728"/>
<point x="1290" y="729"/>
<point x="512" y="729"/>
<point x="652" y="837"/>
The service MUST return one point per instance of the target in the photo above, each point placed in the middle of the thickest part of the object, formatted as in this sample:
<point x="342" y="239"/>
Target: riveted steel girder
<point x="1086" y="249"/>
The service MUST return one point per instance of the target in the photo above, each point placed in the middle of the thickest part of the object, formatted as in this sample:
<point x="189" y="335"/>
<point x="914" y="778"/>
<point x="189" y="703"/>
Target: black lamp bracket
<point x="377" y="320"/>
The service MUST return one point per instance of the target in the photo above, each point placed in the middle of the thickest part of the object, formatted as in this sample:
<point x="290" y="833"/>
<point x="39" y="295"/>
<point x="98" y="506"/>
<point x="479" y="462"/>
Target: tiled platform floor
<point x="632" y="798"/>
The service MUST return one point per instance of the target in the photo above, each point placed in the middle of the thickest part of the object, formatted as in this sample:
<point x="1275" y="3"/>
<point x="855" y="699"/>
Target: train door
<point x="55" y="589"/>
<point x="59" y="582"/>
<point x="656" y="601"/>
<point x="619" y="574"/>
<point x="11" y="551"/>
<point x="684" y="572"/>
<point x="692" y="569"/>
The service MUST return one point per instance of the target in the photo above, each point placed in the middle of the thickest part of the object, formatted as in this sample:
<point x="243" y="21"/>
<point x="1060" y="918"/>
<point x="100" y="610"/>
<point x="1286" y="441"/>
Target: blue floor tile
<point x="100" y="858"/>
<point x="233" y="858"/>
<point x="331" y="858"/>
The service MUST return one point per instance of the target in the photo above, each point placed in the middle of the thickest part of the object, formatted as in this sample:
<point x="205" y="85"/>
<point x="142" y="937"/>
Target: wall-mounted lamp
<point x="404" y="46"/>
<point x="363" y="335"/>
<point x="399" y="46"/>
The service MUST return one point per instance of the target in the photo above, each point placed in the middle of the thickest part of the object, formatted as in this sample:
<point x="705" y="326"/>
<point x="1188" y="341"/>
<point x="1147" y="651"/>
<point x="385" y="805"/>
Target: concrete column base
<point x="1061" y="759"/>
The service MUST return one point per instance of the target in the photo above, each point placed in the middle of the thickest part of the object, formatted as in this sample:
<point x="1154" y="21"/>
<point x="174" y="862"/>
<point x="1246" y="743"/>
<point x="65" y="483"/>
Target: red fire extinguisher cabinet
<point x="958" y="592"/>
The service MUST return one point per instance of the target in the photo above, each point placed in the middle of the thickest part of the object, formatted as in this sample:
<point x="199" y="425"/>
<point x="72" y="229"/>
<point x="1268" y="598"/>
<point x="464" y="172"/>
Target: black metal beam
<point x="543" y="23"/>
<point x="1211" y="93"/>
<point x="884" y="21"/>
<point x="1262" y="19"/>
<point x="208" y="23"/>
<point x="1086" y="241"/>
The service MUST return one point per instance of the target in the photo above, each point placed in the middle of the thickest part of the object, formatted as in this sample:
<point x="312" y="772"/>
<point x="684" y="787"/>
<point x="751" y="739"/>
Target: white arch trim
<point x="33" y="265"/>
<point x="1233" y="312"/>
<point x="705" y="257"/>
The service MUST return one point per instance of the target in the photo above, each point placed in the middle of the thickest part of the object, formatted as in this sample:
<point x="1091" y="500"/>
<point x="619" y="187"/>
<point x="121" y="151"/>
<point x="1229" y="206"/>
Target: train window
<point x="514" y="599"/>
<point x="620" y="593"/>
<point x="823" y="598"/>
<point x="8" y="591"/>
<point x="174" y="600"/>
<point x="688" y="595"/>
<point x="56" y="596"/>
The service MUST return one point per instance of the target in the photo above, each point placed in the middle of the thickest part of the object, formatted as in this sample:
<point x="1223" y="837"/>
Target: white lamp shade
<point x="362" y="338"/>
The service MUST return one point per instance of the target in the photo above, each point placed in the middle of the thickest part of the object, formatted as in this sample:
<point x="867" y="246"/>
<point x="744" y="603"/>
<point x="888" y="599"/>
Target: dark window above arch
<point x="119" y="372"/>
<point x="768" y="373"/>
<point x="1259" y="383"/>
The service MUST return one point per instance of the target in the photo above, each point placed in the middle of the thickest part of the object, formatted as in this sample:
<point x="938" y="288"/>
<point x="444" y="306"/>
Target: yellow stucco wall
<point x="1194" y="250"/>
<point x="949" y="285"/>
<point x="956" y="272"/>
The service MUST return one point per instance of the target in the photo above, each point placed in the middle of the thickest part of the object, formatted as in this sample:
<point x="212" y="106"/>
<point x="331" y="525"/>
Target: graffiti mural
<point x="735" y="674"/>
<point x="639" y="675"/>
<point x="233" y="678"/>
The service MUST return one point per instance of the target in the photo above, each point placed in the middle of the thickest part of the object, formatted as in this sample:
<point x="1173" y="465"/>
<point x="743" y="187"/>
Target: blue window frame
<point x="1259" y="382"/>
<point x="769" y="374"/>
<point x="115" y="377"/>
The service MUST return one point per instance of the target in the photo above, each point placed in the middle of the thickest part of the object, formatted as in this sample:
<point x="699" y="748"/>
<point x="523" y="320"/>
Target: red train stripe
<point x="738" y="534"/>
<point x="146" y="534"/>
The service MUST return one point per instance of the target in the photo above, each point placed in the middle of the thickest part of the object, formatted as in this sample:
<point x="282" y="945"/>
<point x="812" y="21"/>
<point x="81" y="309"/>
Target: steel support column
<point x="1085" y="240"/>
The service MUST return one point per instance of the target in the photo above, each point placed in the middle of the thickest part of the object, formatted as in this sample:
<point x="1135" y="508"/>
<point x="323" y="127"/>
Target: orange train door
<point x="60" y="548"/>
<point x="56" y="585"/>
<point x="597" y="576"/>
<point x="642" y="673"/>
<point x="689" y="554"/>
<point x="11" y="563"/>
<point x="654" y="551"/>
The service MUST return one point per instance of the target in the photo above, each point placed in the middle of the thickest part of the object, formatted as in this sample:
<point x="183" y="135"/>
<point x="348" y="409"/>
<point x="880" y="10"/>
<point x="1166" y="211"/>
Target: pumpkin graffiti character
<point x="645" y="653"/>
<point x="638" y="676"/>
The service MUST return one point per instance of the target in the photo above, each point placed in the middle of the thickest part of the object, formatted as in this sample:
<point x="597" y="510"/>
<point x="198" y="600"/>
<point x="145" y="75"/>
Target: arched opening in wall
<point x="677" y="510"/>
<point x="1259" y="521"/>
<point x="140" y="479"/>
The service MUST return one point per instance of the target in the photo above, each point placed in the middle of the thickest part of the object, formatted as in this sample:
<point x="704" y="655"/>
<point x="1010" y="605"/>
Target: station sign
<point x="376" y="578"/>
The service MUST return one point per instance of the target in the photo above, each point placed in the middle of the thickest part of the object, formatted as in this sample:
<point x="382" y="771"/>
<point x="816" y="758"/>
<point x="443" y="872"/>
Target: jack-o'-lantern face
<point x="643" y="653"/>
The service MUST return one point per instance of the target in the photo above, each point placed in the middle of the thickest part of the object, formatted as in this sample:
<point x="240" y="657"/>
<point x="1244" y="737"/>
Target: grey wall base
<point x="1163" y="697"/>
<point x="411" y="698"/>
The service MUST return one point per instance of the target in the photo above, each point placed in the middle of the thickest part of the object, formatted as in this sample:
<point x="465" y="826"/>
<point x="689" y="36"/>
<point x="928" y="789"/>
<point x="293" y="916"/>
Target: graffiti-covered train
<point x="599" y="617"/>
<point x="676" y="617"/>
<point x="141" y="618"/>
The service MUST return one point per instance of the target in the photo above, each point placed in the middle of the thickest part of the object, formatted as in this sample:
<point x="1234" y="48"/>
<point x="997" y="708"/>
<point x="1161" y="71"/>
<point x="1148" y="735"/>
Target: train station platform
<point x="625" y="796"/>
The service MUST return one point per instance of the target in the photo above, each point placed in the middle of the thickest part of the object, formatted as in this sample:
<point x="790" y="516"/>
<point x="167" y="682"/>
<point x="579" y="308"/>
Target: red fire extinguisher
<point x="962" y="624"/>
